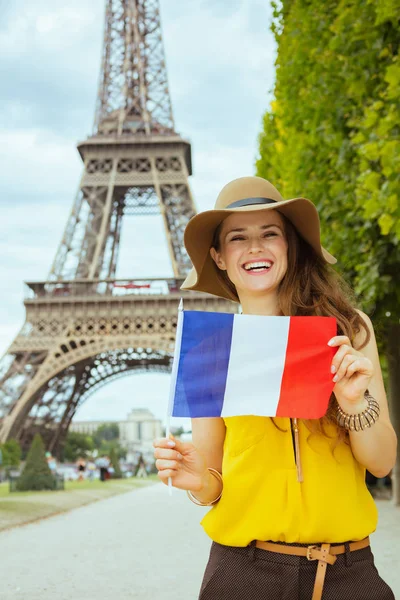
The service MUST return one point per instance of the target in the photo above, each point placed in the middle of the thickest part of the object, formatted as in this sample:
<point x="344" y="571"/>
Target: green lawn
<point x="100" y="485"/>
<point x="18" y="508"/>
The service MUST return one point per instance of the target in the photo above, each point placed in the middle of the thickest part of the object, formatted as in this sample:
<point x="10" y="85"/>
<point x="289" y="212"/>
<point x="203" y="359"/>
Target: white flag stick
<point x="167" y="433"/>
<point x="174" y="374"/>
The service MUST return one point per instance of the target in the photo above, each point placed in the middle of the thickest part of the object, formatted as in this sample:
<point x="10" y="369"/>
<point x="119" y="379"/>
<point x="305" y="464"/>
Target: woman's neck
<point x="266" y="305"/>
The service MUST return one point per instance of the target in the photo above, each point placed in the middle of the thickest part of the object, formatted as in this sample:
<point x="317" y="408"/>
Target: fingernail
<point x="331" y="342"/>
<point x="171" y="444"/>
<point x="333" y="369"/>
<point x="335" y="378"/>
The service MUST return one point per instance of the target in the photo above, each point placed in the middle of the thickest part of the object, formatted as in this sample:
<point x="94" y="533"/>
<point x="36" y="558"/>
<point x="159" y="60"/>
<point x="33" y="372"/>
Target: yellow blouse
<point x="263" y="500"/>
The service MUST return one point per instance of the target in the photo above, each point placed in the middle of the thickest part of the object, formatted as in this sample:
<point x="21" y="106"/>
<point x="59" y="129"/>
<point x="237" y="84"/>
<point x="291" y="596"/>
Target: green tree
<point x="36" y="474"/>
<point x="115" y="464"/>
<point x="108" y="447"/>
<point x="332" y="134"/>
<point x="11" y="454"/>
<point x="76" y="445"/>
<point x="177" y="431"/>
<point x="109" y="432"/>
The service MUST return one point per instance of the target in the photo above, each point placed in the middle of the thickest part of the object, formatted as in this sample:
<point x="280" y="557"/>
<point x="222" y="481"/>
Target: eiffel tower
<point x="83" y="326"/>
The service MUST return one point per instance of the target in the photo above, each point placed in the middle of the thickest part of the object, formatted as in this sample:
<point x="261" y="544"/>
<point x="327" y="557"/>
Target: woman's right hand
<point x="182" y="462"/>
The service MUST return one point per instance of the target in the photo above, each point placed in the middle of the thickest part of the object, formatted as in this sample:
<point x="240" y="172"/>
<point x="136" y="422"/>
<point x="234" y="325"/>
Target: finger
<point x="339" y="340"/>
<point x="346" y="362"/>
<point x="339" y="356"/>
<point x="165" y="475"/>
<point x="182" y="447"/>
<point x="164" y="443"/>
<point x="167" y="454"/>
<point x="360" y="365"/>
<point x="162" y="465"/>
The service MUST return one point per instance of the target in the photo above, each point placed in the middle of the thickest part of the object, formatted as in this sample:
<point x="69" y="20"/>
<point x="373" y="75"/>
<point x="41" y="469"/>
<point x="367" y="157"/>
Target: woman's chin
<point x="258" y="288"/>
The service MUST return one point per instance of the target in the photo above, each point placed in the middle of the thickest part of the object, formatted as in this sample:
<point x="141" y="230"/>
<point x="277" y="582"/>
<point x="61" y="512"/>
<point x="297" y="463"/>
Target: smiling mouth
<point x="261" y="266"/>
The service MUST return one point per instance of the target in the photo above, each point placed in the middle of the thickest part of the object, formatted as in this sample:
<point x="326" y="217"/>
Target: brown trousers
<point x="250" y="573"/>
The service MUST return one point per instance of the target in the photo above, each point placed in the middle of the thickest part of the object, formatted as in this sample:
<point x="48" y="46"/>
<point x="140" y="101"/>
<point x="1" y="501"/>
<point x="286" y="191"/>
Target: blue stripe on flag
<point x="203" y="365"/>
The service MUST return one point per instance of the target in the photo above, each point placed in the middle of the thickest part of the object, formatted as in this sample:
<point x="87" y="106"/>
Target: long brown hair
<point x="310" y="287"/>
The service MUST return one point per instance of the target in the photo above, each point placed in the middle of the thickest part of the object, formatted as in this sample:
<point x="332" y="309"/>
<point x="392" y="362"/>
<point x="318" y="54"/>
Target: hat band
<point x="249" y="201"/>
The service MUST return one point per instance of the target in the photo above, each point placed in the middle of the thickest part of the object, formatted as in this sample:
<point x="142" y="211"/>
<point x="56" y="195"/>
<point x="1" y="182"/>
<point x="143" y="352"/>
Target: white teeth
<point x="255" y="265"/>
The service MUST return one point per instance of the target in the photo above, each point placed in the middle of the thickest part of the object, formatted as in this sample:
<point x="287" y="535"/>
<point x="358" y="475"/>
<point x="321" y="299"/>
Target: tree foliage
<point x="104" y="440"/>
<point x="77" y="445"/>
<point x="36" y="474"/>
<point x="107" y="447"/>
<point x="11" y="454"/>
<point x="332" y="134"/>
<point x="109" y="432"/>
<point x="115" y="464"/>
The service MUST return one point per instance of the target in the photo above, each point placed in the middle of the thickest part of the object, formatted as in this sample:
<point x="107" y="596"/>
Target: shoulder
<point x="365" y="318"/>
<point x="365" y="337"/>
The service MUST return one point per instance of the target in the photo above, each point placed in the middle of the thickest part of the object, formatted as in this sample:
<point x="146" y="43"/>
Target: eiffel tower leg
<point x="12" y="424"/>
<point x="103" y="227"/>
<point x="17" y="369"/>
<point x="60" y="433"/>
<point x="176" y="206"/>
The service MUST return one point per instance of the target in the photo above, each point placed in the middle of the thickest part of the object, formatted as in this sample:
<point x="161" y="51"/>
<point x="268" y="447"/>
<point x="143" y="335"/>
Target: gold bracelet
<point x="218" y="476"/>
<point x="362" y="420"/>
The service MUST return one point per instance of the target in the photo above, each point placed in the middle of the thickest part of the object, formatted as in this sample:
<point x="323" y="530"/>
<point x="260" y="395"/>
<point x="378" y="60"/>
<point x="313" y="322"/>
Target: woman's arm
<point x="208" y="436"/>
<point x="375" y="447"/>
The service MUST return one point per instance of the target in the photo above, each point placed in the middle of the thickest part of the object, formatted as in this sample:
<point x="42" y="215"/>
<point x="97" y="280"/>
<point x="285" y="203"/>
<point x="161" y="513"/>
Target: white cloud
<point x="14" y="40"/>
<point x="49" y="162"/>
<point x="45" y="26"/>
<point x="215" y="167"/>
<point x="202" y="41"/>
<point x="211" y="55"/>
<point x="8" y="333"/>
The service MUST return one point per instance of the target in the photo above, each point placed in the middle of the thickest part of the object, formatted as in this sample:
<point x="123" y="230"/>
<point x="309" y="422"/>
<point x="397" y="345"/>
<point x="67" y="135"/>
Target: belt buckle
<point x="309" y="550"/>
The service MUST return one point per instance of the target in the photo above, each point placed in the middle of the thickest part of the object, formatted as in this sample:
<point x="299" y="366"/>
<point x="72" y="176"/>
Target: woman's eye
<point x="265" y="235"/>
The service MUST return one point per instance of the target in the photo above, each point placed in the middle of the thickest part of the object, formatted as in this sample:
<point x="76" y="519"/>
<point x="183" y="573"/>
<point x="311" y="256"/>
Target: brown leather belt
<point x="324" y="554"/>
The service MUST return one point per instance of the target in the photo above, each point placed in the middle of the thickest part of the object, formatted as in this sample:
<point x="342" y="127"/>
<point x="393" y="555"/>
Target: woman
<point x="291" y="511"/>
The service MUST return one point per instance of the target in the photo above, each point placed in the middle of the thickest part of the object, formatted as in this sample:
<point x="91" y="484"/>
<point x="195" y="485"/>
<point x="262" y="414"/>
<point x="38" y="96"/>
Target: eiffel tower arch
<point x="83" y="326"/>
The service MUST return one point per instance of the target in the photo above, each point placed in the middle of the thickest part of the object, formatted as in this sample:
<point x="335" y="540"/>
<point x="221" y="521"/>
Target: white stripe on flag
<point x="256" y="364"/>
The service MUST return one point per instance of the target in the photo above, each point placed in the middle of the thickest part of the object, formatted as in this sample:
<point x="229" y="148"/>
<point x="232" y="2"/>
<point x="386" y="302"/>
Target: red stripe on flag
<point x="307" y="380"/>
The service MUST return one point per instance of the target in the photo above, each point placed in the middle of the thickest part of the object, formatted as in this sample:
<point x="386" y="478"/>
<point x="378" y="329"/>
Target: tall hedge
<point x="36" y="474"/>
<point x="115" y="463"/>
<point x="332" y="134"/>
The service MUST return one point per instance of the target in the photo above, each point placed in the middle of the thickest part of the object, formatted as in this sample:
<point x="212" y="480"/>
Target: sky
<point x="220" y="59"/>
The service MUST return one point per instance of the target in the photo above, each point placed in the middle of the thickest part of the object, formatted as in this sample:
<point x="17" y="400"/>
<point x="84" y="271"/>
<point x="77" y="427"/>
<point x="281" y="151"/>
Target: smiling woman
<point x="254" y="252"/>
<point x="285" y="491"/>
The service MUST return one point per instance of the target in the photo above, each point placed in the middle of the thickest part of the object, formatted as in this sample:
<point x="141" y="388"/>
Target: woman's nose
<point x="255" y="245"/>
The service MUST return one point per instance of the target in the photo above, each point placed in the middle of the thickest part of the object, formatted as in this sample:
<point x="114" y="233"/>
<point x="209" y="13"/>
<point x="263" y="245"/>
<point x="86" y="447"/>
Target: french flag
<point x="229" y="365"/>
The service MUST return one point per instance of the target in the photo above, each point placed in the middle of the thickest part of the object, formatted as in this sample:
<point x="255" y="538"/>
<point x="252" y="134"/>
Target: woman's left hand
<point x="352" y="374"/>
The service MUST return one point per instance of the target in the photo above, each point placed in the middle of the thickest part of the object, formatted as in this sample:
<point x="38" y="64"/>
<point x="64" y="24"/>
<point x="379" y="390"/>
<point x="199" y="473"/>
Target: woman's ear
<point x="216" y="256"/>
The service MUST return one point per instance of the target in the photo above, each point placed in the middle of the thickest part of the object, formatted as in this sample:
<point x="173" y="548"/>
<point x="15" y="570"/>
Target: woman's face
<point x="253" y="251"/>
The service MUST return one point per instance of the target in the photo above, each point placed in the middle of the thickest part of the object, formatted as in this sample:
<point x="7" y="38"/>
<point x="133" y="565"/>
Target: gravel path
<point x="17" y="509"/>
<point x="142" y="544"/>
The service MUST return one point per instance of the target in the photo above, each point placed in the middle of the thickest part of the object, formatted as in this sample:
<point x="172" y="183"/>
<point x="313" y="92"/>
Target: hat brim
<point x="200" y="230"/>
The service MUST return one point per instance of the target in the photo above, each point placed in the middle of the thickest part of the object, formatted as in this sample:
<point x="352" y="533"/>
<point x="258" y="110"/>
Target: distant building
<point x="87" y="427"/>
<point x="136" y="433"/>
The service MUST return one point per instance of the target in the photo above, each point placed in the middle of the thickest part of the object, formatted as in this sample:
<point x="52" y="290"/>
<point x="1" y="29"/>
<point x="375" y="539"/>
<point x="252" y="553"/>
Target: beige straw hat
<point x="243" y="195"/>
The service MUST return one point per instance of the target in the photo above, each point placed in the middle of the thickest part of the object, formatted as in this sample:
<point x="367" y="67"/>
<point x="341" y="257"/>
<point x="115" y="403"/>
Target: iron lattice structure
<point x="133" y="95"/>
<point x="84" y="327"/>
